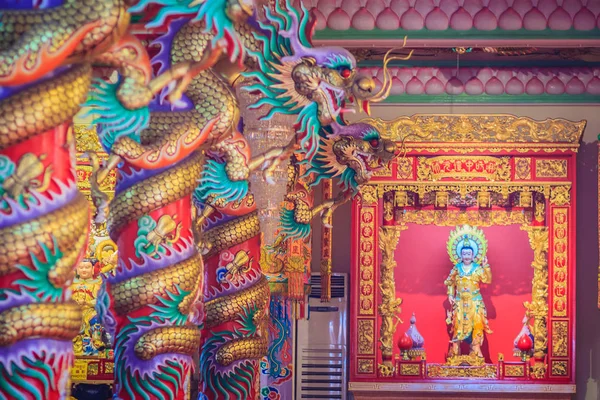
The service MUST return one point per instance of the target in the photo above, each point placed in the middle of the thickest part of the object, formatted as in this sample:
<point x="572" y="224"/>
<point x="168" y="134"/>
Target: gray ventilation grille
<point x="338" y="286"/>
<point x="323" y="375"/>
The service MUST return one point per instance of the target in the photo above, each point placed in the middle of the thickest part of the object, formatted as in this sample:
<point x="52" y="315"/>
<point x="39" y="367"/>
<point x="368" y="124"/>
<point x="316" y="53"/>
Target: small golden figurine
<point x="85" y="288"/>
<point x="468" y="316"/>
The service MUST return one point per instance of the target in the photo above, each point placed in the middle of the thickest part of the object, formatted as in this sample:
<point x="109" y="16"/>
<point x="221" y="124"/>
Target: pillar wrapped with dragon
<point x="46" y="54"/>
<point x="47" y="51"/>
<point x="273" y="47"/>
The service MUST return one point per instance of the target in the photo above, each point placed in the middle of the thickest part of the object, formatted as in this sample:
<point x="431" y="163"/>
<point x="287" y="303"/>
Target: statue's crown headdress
<point x="466" y="242"/>
<point x="469" y="237"/>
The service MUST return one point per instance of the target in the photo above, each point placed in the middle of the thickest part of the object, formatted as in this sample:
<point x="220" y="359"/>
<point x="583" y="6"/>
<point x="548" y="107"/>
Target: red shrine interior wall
<point x="423" y="265"/>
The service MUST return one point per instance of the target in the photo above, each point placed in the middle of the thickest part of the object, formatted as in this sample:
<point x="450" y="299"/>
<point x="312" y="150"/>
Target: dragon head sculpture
<point x="317" y="84"/>
<point x="351" y="154"/>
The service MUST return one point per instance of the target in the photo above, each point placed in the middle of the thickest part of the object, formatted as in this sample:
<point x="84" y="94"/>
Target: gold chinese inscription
<point x="445" y="371"/>
<point x="560" y="331"/>
<point x="550" y="168"/>
<point x="497" y="128"/>
<point x="367" y="260"/>
<point x="410" y="369"/>
<point x="366" y="336"/>
<point x="461" y="167"/>
<point x="559" y="272"/>
<point x="523" y="168"/>
<point x="366" y="366"/>
<point x="560" y="368"/>
<point x="405" y="168"/>
<point x="514" y="370"/>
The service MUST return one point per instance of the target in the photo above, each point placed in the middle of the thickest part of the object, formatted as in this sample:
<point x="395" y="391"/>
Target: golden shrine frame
<point x="481" y="170"/>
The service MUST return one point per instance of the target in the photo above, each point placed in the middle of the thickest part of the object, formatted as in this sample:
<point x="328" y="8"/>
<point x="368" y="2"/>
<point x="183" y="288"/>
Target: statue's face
<point x="85" y="270"/>
<point x="466" y="256"/>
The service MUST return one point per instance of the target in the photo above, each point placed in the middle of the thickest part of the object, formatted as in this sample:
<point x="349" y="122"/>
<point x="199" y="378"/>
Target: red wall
<point x="423" y="265"/>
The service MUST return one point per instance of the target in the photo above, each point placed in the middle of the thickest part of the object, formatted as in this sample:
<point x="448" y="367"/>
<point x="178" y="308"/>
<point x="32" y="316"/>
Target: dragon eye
<point x="345" y="73"/>
<point x="374" y="142"/>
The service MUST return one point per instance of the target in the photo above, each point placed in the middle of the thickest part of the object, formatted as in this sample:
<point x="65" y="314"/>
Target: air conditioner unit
<point x="322" y="343"/>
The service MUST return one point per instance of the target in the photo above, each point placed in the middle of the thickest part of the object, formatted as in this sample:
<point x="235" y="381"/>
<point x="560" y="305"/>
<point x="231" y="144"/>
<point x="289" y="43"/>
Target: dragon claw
<point x="326" y="217"/>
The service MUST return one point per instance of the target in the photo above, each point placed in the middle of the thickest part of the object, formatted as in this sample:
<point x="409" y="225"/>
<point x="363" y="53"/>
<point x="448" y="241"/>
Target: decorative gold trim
<point x="560" y="368"/>
<point x="560" y="339"/>
<point x="445" y="371"/>
<point x="326" y="244"/>
<point x="514" y="370"/>
<point x="366" y="337"/>
<point x="410" y="369"/>
<point x="497" y="128"/>
<point x="545" y="168"/>
<point x="538" y="308"/>
<point x="366" y="366"/>
<point x="389" y="308"/>
<point x="559" y="190"/>
<point x="441" y="199"/>
<point x="523" y="168"/>
<point x="371" y="387"/>
<point x="465" y="148"/>
<point x="540" y="208"/>
<point x="560" y="195"/>
<point x="525" y="199"/>
<point x="404" y="168"/>
<point x="482" y="218"/>
<point x="368" y="194"/>
<point x="471" y="360"/>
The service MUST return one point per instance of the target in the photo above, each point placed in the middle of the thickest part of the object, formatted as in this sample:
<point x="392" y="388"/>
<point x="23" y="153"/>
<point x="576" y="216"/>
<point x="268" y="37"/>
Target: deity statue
<point x="468" y="317"/>
<point x="91" y="337"/>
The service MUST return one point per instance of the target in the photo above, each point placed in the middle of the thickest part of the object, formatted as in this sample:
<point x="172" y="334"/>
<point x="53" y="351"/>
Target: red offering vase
<point x="525" y="344"/>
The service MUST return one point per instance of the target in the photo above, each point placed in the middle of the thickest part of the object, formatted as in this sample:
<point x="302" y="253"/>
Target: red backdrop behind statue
<point x="423" y="265"/>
